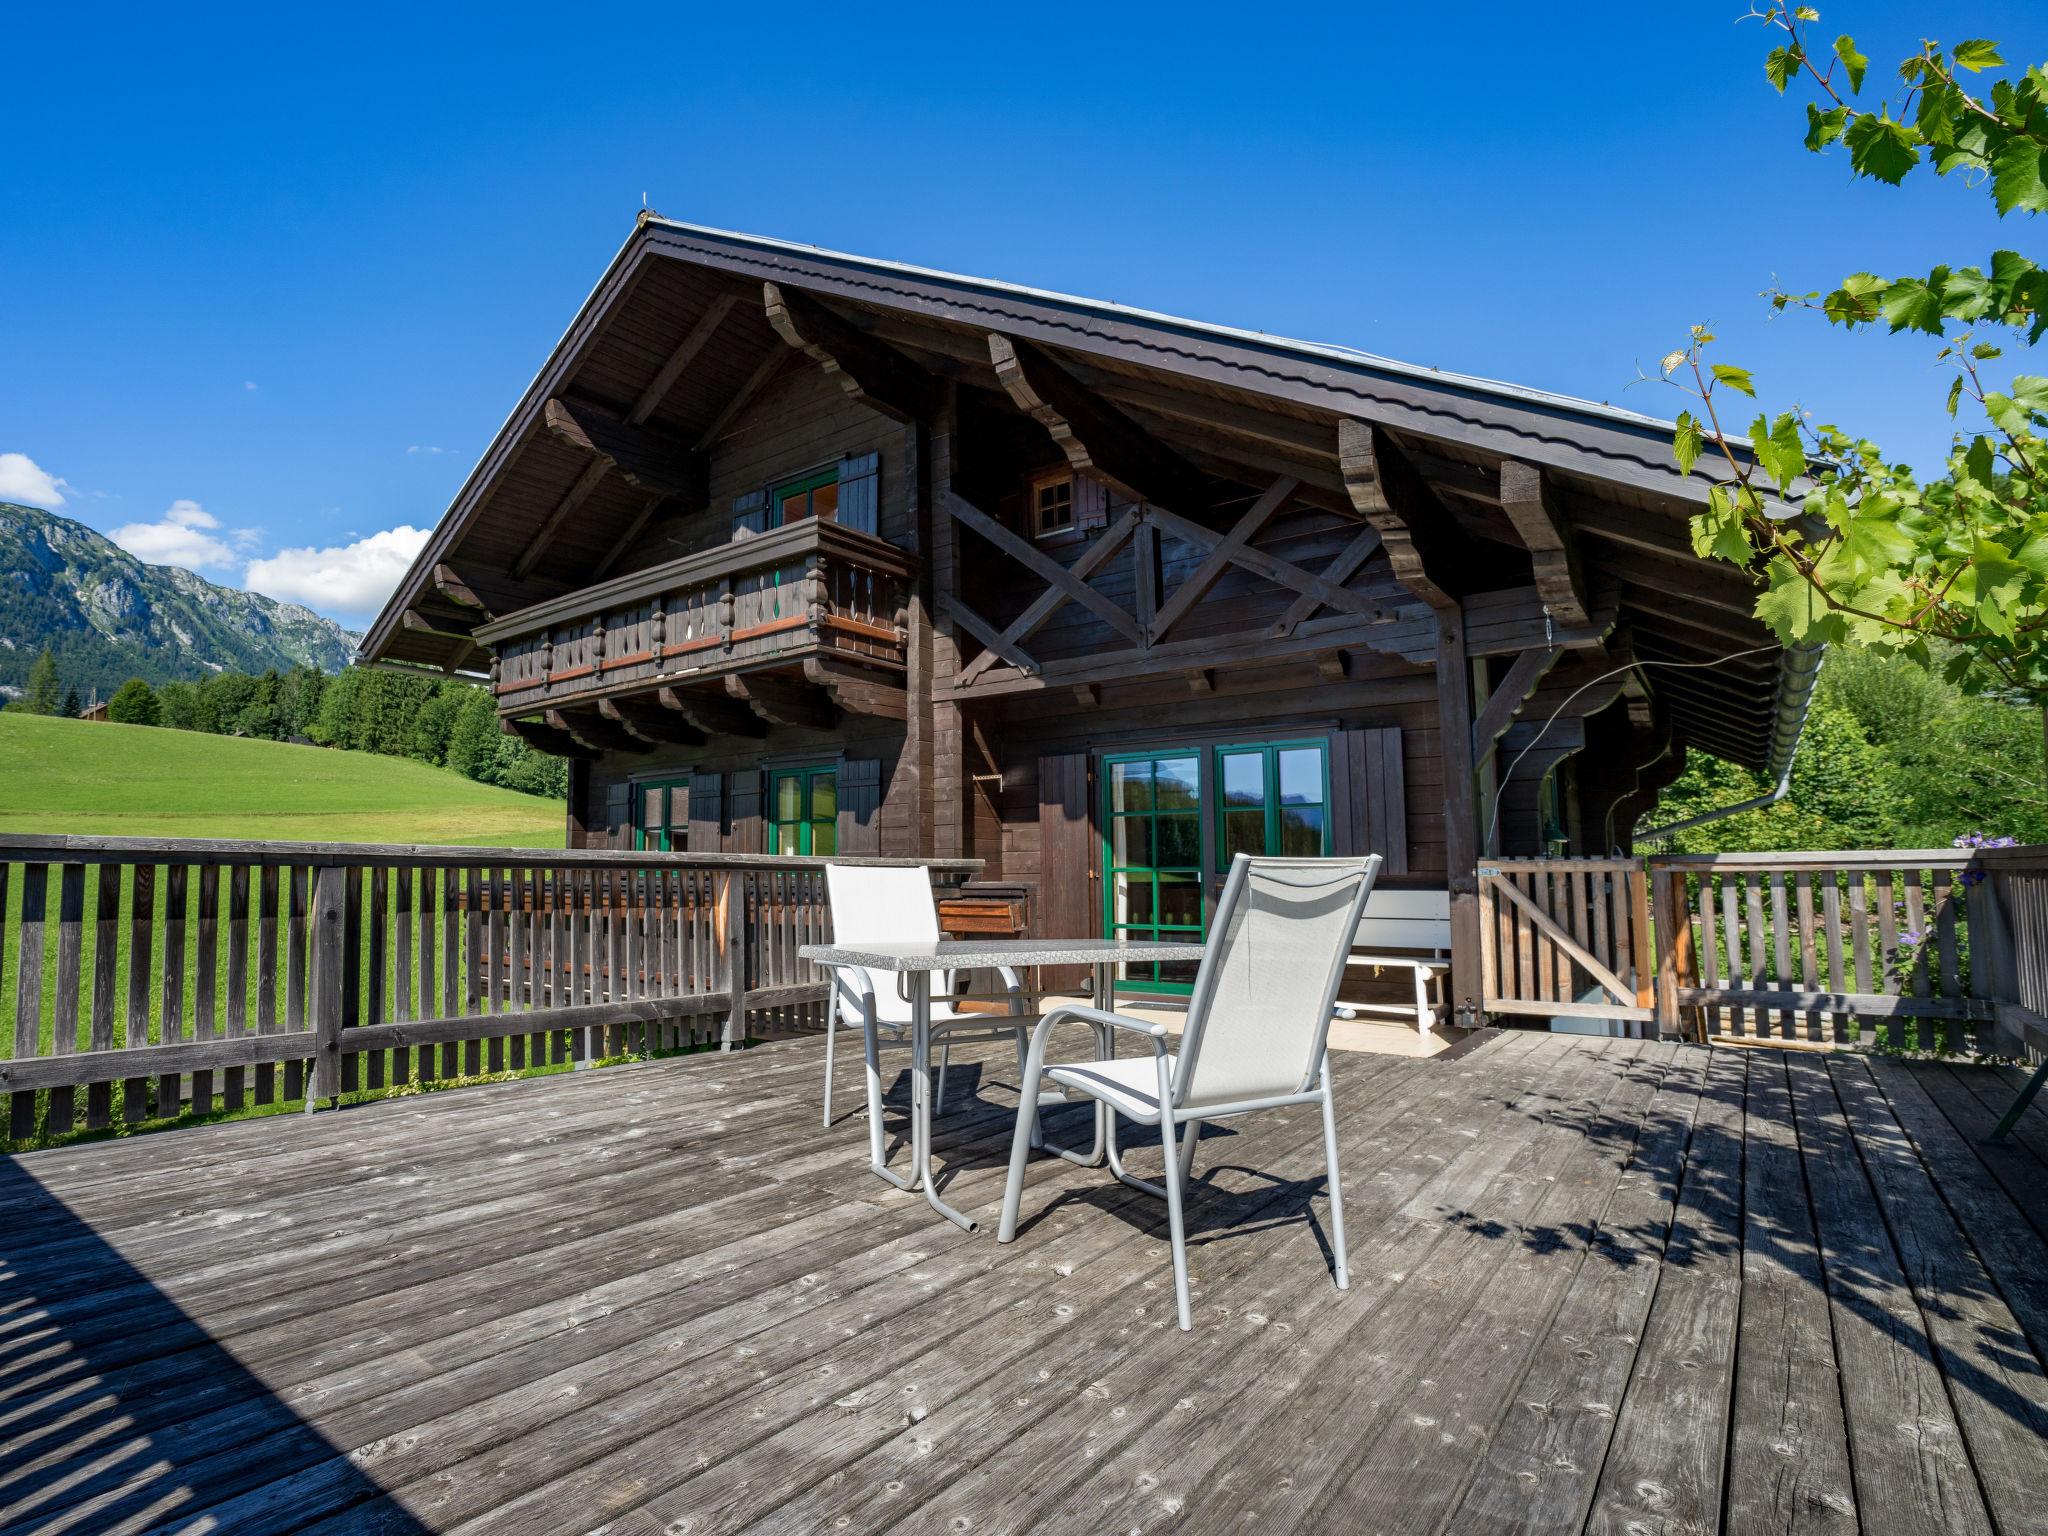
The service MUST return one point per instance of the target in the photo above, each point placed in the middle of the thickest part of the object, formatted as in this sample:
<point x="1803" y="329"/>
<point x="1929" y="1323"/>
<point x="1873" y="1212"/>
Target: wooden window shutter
<point x="1068" y="904"/>
<point x="707" y="812"/>
<point x="749" y="514"/>
<point x="860" y="486"/>
<point x="618" y="815"/>
<point x="1091" y="503"/>
<point x="1369" y="787"/>
<point x="749" y="833"/>
<point x="860" y="805"/>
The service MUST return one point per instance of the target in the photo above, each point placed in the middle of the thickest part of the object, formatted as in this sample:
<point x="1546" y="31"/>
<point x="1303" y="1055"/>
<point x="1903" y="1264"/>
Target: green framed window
<point x="803" y="806"/>
<point x="813" y="495"/>
<point x="1159" y="869"/>
<point x="1152" y="859"/>
<point x="1272" y="799"/>
<point x="661" y="815"/>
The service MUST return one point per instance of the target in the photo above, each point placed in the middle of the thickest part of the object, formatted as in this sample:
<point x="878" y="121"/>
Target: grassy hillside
<point x="74" y="776"/>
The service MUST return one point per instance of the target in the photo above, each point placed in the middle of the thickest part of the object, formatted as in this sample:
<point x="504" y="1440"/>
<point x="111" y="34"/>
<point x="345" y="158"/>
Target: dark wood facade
<point x="978" y="550"/>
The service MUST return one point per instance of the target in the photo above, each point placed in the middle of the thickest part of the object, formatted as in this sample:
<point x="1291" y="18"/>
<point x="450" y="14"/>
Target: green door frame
<point x="1208" y="814"/>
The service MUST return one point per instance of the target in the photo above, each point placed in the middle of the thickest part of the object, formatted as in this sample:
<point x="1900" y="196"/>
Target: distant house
<point x="97" y="712"/>
<point x="803" y="552"/>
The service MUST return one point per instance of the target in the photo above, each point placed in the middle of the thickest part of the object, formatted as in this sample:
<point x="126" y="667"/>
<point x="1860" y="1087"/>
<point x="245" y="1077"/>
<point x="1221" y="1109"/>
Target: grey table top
<point x="964" y="954"/>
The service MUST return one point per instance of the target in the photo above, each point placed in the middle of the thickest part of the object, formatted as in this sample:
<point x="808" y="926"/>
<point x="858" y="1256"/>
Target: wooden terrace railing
<point x="1920" y="949"/>
<point x="153" y="977"/>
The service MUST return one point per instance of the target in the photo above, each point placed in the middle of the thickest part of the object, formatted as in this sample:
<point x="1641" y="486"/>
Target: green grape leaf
<point x="1854" y="62"/>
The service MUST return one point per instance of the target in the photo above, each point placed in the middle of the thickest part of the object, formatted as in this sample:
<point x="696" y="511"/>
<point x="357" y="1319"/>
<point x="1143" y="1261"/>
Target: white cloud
<point x="248" y="383"/>
<point x="349" y="579"/>
<point x="25" y="481"/>
<point x="186" y="535"/>
<point x="423" y="448"/>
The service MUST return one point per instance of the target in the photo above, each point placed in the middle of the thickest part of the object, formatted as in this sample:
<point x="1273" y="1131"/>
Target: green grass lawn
<point x="88" y="779"/>
<point x="85" y="778"/>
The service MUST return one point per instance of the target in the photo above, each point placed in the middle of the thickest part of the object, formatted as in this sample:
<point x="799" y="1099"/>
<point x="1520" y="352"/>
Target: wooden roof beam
<point x="650" y="460"/>
<point x="1392" y="496"/>
<point x="870" y="371"/>
<point x="650" y="722"/>
<point x="445" y="626"/>
<point x="596" y="732"/>
<point x="781" y="702"/>
<point x="1532" y="506"/>
<point x="1097" y="438"/>
<point x="762" y="376"/>
<point x="685" y="354"/>
<point x="712" y="713"/>
<point x="546" y="738"/>
<point x="455" y="590"/>
<point x="543" y="536"/>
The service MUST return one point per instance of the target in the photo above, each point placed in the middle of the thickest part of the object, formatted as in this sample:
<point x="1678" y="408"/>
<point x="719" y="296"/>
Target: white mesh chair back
<point x="1259" y="1013"/>
<point x="880" y="906"/>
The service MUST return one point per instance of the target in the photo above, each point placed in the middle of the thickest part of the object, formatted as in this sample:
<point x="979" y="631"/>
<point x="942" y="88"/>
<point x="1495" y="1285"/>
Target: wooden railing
<point x="1565" y="936"/>
<point x="813" y="588"/>
<point x="1918" y="949"/>
<point x="151" y="977"/>
<point x="1834" y="948"/>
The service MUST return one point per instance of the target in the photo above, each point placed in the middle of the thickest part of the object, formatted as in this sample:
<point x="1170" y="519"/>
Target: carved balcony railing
<point x="814" y="590"/>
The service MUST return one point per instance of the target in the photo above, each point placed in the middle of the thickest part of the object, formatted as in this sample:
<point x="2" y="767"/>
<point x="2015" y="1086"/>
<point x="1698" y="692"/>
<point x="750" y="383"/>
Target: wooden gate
<point x="1566" y="938"/>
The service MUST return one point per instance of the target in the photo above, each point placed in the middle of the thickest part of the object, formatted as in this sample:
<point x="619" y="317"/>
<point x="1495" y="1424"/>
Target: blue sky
<point x="269" y="281"/>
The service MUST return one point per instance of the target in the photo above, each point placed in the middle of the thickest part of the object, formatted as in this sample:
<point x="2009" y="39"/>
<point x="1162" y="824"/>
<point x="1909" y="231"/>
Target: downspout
<point x="1758" y="803"/>
<point x="1798" y="671"/>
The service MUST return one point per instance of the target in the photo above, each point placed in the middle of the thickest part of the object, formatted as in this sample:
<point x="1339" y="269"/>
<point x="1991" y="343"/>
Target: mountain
<point x="109" y="617"/>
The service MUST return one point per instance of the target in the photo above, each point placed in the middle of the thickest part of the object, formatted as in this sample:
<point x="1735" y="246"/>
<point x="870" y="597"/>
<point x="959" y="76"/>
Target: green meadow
<point x="96" y="779"/>
<point x="106" y="780"/>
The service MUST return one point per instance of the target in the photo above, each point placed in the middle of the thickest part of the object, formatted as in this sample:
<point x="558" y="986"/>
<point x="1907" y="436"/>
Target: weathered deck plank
<point x="1597" y="1285"/>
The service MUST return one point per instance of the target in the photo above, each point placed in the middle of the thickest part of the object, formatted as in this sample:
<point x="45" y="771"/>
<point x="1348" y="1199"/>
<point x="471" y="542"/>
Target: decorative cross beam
<point x="1007" y="646"/>
<point x="870" y="371"/>
<point x="1283" y="572"/>
<point x="1097" y="438"/>
<point x="1229" y="551"/>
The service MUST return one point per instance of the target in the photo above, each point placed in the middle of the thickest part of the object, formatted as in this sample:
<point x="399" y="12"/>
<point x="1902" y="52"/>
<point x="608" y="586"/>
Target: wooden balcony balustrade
<point x="811" y="592"/>
<point x="171" y="976"/>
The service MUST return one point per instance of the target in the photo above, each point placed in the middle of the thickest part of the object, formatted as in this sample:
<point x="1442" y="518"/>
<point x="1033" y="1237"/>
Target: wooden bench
<point x="1405" y="930"/>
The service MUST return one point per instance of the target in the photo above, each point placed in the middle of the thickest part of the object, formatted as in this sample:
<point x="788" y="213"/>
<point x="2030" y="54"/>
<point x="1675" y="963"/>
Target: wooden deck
<point x="1608" y="1286"/>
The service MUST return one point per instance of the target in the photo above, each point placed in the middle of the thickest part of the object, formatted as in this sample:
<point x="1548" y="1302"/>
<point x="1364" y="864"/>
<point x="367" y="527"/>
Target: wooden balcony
<point x="815" y="597"/>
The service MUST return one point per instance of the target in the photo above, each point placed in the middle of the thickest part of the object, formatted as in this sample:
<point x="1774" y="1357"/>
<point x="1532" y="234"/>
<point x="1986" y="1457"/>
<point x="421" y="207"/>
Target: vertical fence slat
<point x="235" y="1079"/>
<point x="1809" y="953"/>
<point x="141" y="944"/>
<point x="266" y="975"/>
<point x="106" y="956"/>
<point x="297" y="935"/>
<point x="28" y="996"/>
<point x="70" y="960"/>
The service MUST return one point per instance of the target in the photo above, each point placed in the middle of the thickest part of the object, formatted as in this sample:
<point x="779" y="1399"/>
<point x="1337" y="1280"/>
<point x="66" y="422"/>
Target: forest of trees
<point x="1893" y="757"/>
<point x="443" y="721"/>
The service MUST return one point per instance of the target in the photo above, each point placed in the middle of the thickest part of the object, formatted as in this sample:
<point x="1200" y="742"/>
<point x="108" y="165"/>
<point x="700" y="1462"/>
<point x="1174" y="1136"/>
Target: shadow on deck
<point x="1597" y="1286"/>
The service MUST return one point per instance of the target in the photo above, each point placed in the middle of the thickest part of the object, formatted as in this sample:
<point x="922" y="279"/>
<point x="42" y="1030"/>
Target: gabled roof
<point x="1244" y="397"/>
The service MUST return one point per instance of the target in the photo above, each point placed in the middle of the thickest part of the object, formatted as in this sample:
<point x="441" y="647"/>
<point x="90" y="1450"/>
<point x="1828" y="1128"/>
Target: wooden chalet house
<point x="794" y="551"/>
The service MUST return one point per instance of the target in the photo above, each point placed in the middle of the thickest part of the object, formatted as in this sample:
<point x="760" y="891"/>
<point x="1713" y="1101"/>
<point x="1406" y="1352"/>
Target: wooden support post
<point x="1676" y="966"/>
<point x="330" y="962"/>
<point x="1461" y="819"/>
<point x="732" y="929"/>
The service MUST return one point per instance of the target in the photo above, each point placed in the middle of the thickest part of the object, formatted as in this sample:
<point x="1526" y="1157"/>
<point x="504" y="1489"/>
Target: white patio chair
<point x="1256" y="1036"/>
<point x="894" y="905"/>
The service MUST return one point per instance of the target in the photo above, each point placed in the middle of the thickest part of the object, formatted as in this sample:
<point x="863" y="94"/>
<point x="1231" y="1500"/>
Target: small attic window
<point x="1052" y="504"/>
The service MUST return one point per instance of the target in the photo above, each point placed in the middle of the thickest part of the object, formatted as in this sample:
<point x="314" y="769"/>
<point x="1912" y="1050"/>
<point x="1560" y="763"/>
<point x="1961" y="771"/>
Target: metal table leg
<point x="921" y="1097"/>
<point x="877" y="1150"/>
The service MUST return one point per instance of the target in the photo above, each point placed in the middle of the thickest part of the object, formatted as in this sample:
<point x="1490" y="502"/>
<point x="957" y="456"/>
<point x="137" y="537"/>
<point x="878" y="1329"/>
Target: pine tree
<point x="45" y="694"/>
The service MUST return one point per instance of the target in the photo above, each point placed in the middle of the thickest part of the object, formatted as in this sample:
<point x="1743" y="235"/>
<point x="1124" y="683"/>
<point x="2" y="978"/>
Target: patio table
<point x="915" y="963"/>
